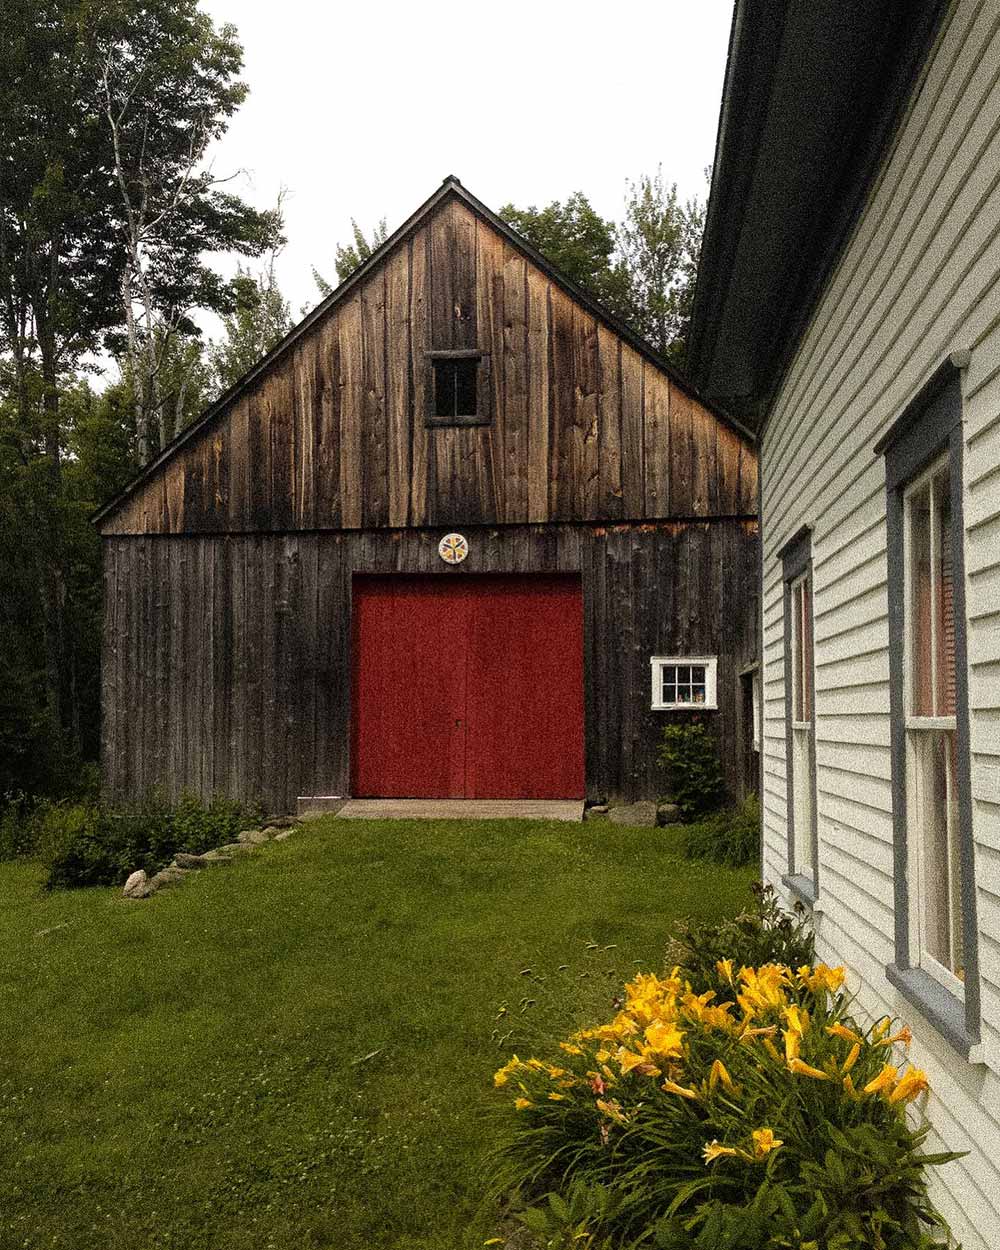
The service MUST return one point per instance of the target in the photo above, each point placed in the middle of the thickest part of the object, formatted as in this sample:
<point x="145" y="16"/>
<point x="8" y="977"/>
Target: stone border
<point x="276" y="829"/>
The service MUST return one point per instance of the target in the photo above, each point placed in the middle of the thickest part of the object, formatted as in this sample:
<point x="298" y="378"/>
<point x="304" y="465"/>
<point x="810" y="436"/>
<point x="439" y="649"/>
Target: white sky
<point x="362" y="109"/>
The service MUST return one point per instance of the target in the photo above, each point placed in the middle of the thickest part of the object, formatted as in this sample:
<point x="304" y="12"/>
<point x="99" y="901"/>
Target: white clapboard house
<point x="849" y="308"/>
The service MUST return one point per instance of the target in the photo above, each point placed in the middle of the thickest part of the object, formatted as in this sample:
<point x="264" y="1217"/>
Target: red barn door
<point x="468" y="687"/>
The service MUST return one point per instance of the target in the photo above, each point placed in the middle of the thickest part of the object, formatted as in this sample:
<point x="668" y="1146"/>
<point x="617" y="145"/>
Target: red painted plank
<point x="524" y="701"/>
<point x="409" y="688"/>
<point x="468" y="686"/>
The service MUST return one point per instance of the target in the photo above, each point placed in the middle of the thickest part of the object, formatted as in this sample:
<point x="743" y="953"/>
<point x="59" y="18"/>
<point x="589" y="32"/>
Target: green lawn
<point x="297" y="1050"/>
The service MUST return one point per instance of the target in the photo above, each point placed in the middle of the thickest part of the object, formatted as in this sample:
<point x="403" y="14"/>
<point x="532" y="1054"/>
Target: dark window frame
<point x="796" y="562"/>
<point x="929" y="429"/>
<point x="483" y="414"/>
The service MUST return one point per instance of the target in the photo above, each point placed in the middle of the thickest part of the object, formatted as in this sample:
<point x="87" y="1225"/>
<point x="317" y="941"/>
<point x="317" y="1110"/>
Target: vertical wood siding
<point x="332" y="436"/>
<point x="919" y="279"/>
<point x="227" y="664"/>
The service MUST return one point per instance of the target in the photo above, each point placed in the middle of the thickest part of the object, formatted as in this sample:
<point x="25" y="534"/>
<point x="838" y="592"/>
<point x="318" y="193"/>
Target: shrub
<point x="762" y="934"/>
<point x="689" y="755"/>
<point x="770" y="1120"/>
<point x="731" y="837"/>
<point x="98" y="844"/>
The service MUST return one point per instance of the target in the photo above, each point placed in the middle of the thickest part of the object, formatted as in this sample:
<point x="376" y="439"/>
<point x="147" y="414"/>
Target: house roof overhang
<point x="814" y="93"/>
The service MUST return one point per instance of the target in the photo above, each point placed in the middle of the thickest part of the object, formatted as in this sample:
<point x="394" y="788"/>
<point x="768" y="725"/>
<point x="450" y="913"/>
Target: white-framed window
<point x="684" y="682"/>
<point x="755" y="709"/>
<point x="934" y="859"/>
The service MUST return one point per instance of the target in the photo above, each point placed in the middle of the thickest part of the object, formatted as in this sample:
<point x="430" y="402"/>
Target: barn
<point x="460" y="534"/>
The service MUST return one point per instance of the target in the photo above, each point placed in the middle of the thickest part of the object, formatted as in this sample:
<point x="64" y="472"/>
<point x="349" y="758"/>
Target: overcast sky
<point x="361" y="110"/>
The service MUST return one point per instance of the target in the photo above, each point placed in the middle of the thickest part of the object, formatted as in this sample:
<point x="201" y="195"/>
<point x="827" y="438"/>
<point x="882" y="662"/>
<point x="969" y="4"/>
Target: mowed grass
<point x="297" y="1050"/>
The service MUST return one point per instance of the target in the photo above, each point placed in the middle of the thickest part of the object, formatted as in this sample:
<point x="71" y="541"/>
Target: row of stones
<point x="644" y="814"/>
<point x="277" y="829"/>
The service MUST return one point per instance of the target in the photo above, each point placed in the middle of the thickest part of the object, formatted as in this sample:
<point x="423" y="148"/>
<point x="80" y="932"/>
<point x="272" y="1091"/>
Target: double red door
<point x="468" y="686"/>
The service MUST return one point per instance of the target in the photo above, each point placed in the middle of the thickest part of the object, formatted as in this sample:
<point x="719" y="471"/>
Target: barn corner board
<point x="454" y="384"/>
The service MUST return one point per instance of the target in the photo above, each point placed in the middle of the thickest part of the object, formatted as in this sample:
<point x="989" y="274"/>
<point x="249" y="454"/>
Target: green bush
<point x="731" y="837"/>
<point x="98" y="844"/>
<point x="762" y="934"/>
<point x="689" y="754"/>
<point x="770" y="1120"/>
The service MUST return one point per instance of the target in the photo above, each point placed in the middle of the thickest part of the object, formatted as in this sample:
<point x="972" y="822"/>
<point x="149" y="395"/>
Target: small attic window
<point x="457" y="381"/>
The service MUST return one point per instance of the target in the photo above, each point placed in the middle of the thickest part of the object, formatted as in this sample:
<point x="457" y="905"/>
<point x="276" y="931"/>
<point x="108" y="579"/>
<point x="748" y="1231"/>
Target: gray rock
<point x="220" y="856"/>
<point x="284" y="835"/>
<point x="230" y="849"/>
<point x="642" y="814"/>
<point x="281" y="822"/>
<point x="254" y="837"/>
<point x="669" y="814"/>
<point x="137" y="886"/>
<point x="167" y="877"/>
<point x="600" y="809"/>
<point x="595" y="813"/>
<point x="185" y="860"/>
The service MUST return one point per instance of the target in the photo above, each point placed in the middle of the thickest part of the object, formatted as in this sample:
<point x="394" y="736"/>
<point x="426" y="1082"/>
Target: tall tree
<point x="350" y="256"/>
<point x="659" y="242"/>
<point x="580" y="243"/>
<point x="106" y="111"/>
<point x="260" y="319"/>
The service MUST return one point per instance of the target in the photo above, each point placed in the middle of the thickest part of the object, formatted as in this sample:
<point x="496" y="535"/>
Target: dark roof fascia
<point x="451" y="187"/>
<point x="754" y="48"/>
<point x="924" y="17"/>
<point x="748" y="87"/>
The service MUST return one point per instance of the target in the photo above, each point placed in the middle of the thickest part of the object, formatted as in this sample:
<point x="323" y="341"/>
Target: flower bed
<point x="753" y="1113"/>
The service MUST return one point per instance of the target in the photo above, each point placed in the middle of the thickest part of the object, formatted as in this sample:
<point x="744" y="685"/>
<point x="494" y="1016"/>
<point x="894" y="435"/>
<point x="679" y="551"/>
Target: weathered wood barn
<point x="460" y="534"/>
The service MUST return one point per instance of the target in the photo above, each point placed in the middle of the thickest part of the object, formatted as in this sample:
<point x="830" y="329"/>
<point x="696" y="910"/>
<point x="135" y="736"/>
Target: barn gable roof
<point x="451" y="187"/>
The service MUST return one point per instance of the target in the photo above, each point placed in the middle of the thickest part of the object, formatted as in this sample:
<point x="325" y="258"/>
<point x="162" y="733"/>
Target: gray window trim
<point x="930" y="427"/>
<point x="796" y="559"/>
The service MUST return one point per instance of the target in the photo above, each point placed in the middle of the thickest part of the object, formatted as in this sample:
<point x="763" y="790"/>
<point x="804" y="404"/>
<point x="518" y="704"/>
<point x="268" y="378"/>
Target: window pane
<point x="807" y="651"/>
<point x="945" y="605"/>
<point x="921" y="681"/>
<point x="797" y="656"/>
<point x="935" y="755"/>
<point x="465" y="387"/>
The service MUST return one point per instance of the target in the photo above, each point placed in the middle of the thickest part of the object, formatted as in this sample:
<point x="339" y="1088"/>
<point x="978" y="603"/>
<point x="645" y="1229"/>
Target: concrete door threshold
<point x="462" y="809"/>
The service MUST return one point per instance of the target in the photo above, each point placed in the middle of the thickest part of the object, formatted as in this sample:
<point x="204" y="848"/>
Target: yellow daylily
<point x="664" y="1040"/>
<point x="841" y="1031"/>
<point x="557" y="1097"/>
<point x="502" y="1076"/>
<point x="885" y="1080"/>
<point x="904" y="1036"/>
<point x="671" y="1087"/>
<point x="764" y="1141"/>
<point x="725" y="969"/>
<point x="821" y="977"/>
<point x="912" y="1083"/>
<point x="792" y="1043"/>
<point x="522" y="1104"/>
<point x="714" y="1150"/>
<point x="570" y="1048"/>
<point x="804" y="1069"/>
<point x="852" y="1057"/>
<point x="719" y="1074"/>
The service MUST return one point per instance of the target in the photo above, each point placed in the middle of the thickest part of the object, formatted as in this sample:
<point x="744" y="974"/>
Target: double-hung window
<point x="936" y="955"/>
<point x="800" y="717"/>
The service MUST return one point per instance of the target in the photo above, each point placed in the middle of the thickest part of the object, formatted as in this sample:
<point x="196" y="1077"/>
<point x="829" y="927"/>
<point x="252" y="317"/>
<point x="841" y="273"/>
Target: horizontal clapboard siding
<point x="332" y="435"/>
<point x="920" y="278"/>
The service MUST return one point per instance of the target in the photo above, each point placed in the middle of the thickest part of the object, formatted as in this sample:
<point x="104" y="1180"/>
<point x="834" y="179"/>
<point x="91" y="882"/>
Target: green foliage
<point x="261" y="319"/>
<point x="97" y="844"/>
<point x="729" y="837"/>
<point x="763" y="933"/>
<point x="770" y="1121"/>
<point x="351" y="256"/>
<point x="689" y="754"/>
<point x="580" y="243"/>
<point x="659" y="241"/>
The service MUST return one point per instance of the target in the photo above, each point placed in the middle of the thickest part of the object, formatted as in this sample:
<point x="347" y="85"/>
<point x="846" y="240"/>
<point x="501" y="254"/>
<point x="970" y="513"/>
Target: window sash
<point x="802" y="736"/>
<point x="936" y="917"/>
<point x="684" y="683"/>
